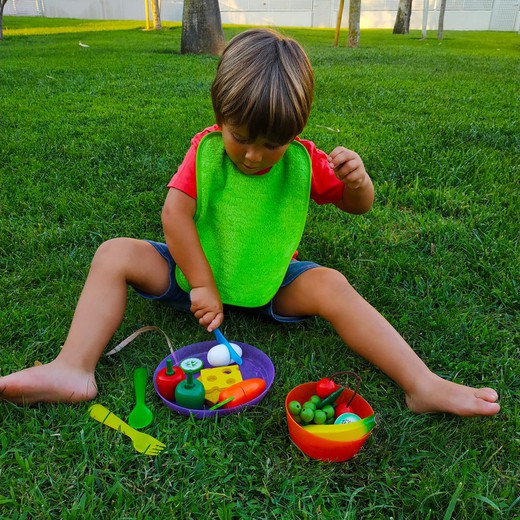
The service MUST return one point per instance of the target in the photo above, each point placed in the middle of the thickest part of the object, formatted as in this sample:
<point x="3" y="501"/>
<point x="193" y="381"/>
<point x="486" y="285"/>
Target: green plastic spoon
<point x="141" y="416"/>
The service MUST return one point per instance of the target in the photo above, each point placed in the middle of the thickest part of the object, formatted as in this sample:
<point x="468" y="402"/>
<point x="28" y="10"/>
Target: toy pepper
<point x="168" y="379"/>
<point x="190" y="393"/>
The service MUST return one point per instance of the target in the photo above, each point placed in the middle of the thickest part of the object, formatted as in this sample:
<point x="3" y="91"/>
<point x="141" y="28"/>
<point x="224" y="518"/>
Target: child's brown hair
<point x="264" y="82"/>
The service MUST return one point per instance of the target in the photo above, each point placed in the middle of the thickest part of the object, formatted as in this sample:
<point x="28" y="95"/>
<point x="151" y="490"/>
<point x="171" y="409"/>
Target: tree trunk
<point x="2" y="4"/>
<point x="402" y="20"/>
<point x="202" y="27"/>
<point x="354" y="15"/>
<point x="156" y="15"/>
<point x="440" y="30"/>
<point x="426" y="5"/>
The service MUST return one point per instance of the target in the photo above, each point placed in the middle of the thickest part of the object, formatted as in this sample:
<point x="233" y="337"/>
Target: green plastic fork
<point x="142" y="442"/>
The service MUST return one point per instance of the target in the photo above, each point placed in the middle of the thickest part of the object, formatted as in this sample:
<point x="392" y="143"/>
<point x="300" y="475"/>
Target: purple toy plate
<point x="255" y="363"/>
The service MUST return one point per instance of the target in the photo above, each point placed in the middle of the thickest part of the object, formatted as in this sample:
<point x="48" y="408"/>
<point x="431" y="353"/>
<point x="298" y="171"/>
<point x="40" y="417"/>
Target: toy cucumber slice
<point x="343" y="432"/>
<point x="191" y="365"/>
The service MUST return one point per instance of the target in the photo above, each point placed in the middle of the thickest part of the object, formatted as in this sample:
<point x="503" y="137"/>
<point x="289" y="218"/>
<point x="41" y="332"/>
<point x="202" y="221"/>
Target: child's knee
<point x="324" y="285"/>
<point x="332" y="280"/>
<point x="330" y="289"/>
<point x="111" y="252"/>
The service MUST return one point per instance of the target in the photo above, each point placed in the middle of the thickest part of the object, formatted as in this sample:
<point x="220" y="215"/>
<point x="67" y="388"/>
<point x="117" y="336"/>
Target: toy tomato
<point x="341" y="409"/>
<point x="325" y="387"/>
<point x="168" y="379"/>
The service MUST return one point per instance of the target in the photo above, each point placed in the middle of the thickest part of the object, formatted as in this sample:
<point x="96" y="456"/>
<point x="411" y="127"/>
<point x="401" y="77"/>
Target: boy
<point x="232" y="219"/>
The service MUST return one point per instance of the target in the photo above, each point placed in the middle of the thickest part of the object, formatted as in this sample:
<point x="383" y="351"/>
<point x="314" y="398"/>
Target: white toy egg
<point x="218" y="356"/>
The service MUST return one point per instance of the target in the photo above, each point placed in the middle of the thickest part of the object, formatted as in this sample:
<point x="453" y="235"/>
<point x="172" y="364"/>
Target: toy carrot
<point x="242" y="392"/>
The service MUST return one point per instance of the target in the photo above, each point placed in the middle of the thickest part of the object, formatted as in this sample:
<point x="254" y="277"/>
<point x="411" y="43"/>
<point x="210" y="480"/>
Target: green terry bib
<point x="249" y="225"/>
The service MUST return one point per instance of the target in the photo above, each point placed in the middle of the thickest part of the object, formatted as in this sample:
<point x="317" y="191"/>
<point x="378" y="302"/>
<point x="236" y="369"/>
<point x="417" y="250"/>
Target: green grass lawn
<point x="89" y="137"/>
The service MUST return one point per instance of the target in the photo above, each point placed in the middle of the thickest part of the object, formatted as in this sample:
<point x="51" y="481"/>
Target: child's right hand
<point x="206" y="306"/>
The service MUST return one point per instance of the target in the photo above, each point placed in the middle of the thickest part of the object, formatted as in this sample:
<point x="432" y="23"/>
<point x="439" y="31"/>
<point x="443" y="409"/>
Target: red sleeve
<point x="325" y="186"/>
<point x="185" y="179"/>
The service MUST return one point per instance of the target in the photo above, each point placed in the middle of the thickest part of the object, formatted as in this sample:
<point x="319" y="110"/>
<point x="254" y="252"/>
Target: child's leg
<point x="326" y="293"/>
<point x="100" y="309"/>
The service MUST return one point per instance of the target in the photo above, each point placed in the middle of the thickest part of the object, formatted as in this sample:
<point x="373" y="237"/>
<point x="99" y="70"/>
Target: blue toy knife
<point x="232" y="352"/>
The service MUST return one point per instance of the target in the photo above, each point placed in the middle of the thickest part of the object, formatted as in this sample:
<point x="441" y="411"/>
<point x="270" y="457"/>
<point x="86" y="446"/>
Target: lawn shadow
<point x="166" y="51"/>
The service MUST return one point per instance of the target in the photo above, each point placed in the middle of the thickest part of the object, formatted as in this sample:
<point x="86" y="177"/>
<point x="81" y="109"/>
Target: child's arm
<point x="350" y="170"/>
<point x="184" y="245"/>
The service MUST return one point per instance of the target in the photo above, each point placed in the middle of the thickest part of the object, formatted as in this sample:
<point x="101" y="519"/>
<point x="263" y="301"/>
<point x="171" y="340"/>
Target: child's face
<point x="249" y="156"/>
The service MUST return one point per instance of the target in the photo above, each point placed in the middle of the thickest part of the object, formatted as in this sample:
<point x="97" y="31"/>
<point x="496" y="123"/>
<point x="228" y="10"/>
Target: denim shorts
<point x="177" y="298"/>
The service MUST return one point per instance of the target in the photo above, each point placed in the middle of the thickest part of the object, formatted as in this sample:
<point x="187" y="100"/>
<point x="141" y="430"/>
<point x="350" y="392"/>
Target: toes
<point x="487" y="394"/>
<point x="489" y="409"/>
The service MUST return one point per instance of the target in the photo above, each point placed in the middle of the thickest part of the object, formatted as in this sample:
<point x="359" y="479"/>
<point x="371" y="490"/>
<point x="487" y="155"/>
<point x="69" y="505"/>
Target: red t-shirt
<point x="325" y="187"/>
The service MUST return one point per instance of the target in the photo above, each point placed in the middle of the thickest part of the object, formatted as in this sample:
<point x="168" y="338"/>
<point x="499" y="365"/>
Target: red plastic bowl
<point x="316" y="447"/>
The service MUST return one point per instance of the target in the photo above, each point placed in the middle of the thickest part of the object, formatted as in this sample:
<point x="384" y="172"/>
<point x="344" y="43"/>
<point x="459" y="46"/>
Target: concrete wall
<point x="453" y="20"/>
<point x="297" y="13"/>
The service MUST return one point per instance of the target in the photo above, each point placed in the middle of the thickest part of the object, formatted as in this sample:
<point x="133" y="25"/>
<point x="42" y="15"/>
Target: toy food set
<point x="327" y="421"/>
<point x="217" y="377"/>
<point x="203" y="379"/>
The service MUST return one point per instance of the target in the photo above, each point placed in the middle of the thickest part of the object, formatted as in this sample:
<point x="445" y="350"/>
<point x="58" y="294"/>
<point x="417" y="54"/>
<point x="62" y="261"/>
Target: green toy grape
<point x="294" y="407"/>
<point x="307" y="415"/>
<point x="319" y="417"/>
<point x="329" y="411"/>
<point x="316" y="399"/>
<point x="309" y="404"/>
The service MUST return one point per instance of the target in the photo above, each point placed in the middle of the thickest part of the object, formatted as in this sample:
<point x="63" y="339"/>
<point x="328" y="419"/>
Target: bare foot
<point x="55" y="382"/>
<point x="439" y="395"/>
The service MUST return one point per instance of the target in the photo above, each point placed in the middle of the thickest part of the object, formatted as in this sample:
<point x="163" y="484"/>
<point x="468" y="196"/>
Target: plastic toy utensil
<point x="232" y="352"/>
<point x="142" y="442"/>
<point x="141" y="416"/>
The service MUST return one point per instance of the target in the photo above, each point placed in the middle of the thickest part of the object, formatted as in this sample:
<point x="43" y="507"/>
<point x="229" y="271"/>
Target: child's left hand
<point x="348" y="167"/>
